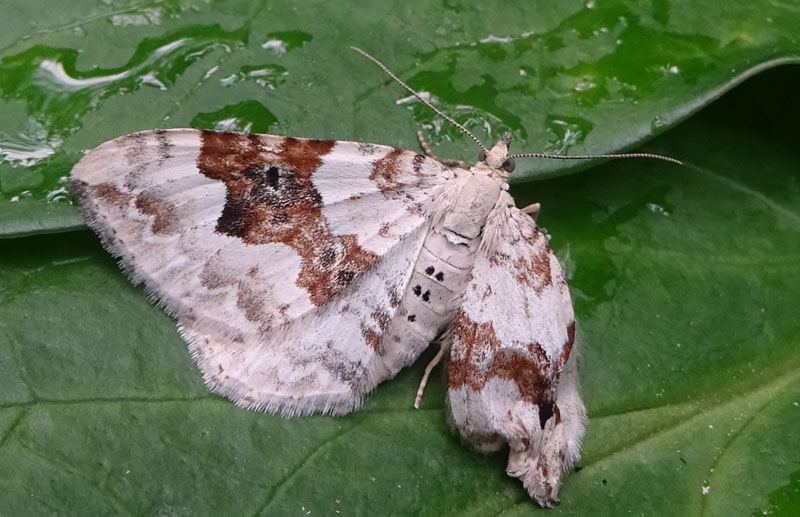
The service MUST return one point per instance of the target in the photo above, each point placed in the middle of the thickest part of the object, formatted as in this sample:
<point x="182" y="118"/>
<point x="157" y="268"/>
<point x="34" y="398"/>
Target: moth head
<point x="497" y="157"/>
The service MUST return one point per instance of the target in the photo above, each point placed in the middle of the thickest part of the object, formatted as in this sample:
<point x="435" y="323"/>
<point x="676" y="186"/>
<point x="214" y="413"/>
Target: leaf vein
<point x="735" y="185"/>
<point x="13" y="427"/>
<point x="273" y="493"/>
<point x="119" y="508"/>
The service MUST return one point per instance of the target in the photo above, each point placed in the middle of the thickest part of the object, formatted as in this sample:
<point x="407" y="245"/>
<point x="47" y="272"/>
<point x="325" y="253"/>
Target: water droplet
<point x="585" y="85"/>
<point x="29" y="146"/>
<point x="283" y="42"/>
<point x="25" y="194"/>
<point x="491" y="38"/>
<point x="267" y="76"/>
<point x="210" y="72"/>
<point x="275" y="45"/>
<point x="147" y="16"/>
<point x="151" y="80"/>
<point x="568" y="132"/>
<point x="422" y="93"/>
<point x="60" y="193"/>
<point x="658" y="123"/>
<point x="244" y="117"/>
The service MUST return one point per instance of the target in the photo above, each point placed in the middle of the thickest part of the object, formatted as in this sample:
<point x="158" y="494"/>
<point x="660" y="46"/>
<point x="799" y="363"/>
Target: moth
<point x="304" y="272"/>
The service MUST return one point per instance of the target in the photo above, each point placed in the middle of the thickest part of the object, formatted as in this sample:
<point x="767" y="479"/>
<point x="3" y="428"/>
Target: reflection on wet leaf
<point x="58" y="94"/>
<point x="244" y="117"/>
<point x="26" y="149"/>
<point x="566" y="132"/>
<point x="282" y="42"/>
<point x="268" y="76"/>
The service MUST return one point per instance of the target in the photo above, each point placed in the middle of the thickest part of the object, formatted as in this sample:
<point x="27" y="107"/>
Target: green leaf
<point x="565" y="77"/>
<point x="686" y="280"/>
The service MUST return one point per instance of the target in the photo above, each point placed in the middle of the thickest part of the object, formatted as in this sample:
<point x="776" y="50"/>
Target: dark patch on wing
<point x="374" y="332"/>
<point x="304" y="156"/>
<point x="164" y="146"/>
<point x="382" y="318"/>
<point x="386" y="169"/>
<point x="106" y="192"/>
<point x="164" y="213"/>
<point x="351" y="373"/>
<point x="394" y="295"/>
<point x="417" y="162"/>
<point x="545" y="411"/>
<point x="533" y="375"/>
<point x="371" y="337"/>
<point x="367" y="149"/>
<point x="534" y="270"/>
<point x="566" y="348"/>
<point x="271" y="199"/>
<point x="136" y="152"/>
<point x="252" y="302"/>
<point x="393" y="171"/>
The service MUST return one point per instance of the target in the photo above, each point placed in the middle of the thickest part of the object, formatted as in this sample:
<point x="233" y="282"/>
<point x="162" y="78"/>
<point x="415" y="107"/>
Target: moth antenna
<point x="594" y="156"/>
<point x="419" y="98"/>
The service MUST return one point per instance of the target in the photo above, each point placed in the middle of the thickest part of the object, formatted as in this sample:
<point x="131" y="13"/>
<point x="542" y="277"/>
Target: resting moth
<point x="305" y="272"/>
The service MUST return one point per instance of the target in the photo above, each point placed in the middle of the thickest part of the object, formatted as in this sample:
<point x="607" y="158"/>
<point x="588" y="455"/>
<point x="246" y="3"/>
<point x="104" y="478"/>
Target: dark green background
<point x="685" y="279"/>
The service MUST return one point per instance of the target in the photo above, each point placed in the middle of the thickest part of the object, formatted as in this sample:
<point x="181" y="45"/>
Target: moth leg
<point x="428" y="369"/>
<point x="430" y="153"/>
<point x="533" y="210"/>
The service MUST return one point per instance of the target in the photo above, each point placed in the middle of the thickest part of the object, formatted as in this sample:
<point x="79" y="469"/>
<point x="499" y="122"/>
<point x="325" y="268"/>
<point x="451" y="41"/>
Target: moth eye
<point x="482" y="156"/>
<point x="508" y="165"/>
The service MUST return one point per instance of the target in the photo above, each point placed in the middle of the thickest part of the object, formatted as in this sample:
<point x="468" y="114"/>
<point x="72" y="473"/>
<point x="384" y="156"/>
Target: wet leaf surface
<point x="570" y="77"/>
<point x="686" y="280"/>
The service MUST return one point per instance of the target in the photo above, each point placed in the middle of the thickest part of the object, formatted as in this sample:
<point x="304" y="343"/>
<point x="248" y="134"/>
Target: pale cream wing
<point x="283" y="259"/>
<point x="512" y="376"/>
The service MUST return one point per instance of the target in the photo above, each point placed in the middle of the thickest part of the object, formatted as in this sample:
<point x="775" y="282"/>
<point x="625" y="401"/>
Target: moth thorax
<point x="467" y="216"/>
